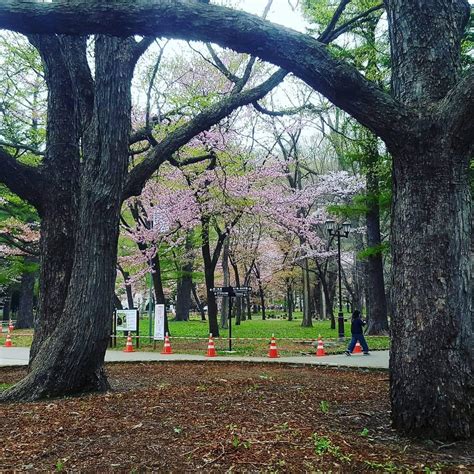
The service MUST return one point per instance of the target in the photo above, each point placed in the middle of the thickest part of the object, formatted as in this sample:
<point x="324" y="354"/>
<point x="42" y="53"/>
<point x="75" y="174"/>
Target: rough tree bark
<point x="24" y="318"/>
<point x="60" y="365"/>
<point x="431" y="373"/>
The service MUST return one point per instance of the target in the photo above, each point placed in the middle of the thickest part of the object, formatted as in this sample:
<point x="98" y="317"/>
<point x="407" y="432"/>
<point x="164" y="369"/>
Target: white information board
<point x="159" y="333"/>
<point x="126" y="319"/>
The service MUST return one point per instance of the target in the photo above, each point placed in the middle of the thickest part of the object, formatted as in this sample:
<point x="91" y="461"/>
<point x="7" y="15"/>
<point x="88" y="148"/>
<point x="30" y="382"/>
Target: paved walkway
<point x="18" y="356"/>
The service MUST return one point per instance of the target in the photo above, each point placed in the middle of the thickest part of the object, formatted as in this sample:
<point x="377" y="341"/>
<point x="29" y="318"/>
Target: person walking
<point x="357" y="332"/>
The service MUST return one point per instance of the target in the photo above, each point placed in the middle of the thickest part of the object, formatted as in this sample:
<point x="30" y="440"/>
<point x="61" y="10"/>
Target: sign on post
<point x="126" y="319"/>
<point x="159" y="333"/>
<point x="242" y="290"/>
<point x="223" y="291"/>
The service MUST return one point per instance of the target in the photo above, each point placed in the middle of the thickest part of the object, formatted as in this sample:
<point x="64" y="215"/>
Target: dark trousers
<point x="361" y="339"/>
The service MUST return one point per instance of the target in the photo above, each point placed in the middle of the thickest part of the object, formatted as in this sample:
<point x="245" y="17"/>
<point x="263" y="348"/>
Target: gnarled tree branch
<point x="457" y="109"/>
<point x="25" y="181"/>
<point x="306" y="57"/>
<point x="179" y="137"/>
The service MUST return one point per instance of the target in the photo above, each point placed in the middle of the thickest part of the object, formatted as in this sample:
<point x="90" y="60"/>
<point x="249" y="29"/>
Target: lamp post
<point x="339" y="231"/>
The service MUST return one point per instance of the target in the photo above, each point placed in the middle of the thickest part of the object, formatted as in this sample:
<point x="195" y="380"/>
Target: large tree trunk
<point x="25" y="311"/>
<point x="185" y="282"/>
<point x="209" y="268"/>
<point x="61" y="365"/>
<point x="430" y="361"/>
<point x="183" y="294"/>
<point x="431" y="372"/>
<point x="307" y="321"/>
<point x="61" y="169"/>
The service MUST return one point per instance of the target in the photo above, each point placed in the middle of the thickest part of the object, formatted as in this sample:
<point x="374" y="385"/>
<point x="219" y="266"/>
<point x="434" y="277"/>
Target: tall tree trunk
<point x="25" y="310"/>
<point x="183" y="295"/>
<point x="185" y="282"/>
<point x="430" y="281"/>
<point x="359" y="274"/>
<point x="226" y="275"/>
<point x="289" y="299"/>
<point x="209" y="268"/>
<point x="307" y="321"/>
<point x="61" y="366"/>
<point x="328" y="299"/>
<point x="61" y="165"/>
<point x="239" y="302"/>
<point x="431" y="366"/>
<point x="377" y="304"/>
<point x="261" y="294"/>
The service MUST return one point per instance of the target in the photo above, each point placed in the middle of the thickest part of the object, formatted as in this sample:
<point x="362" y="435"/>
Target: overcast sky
<point x="281" y="11"/>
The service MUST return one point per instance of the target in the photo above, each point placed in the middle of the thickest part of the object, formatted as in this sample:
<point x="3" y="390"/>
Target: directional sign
<point x="230" y="291"/>
<point x="223" y="291"/>
<point x="242" y="290"/>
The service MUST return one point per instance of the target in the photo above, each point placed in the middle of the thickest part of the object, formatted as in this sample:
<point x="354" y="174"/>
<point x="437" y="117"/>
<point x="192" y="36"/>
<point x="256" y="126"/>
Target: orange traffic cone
<point x="320" y="349"/>
<point x="273" y="352"/>
<point x="167" y="346"/>
<point x="129" y="345"/>
<point x="10" y="326"/>
<point x="211" y="350"/>
<point x="8" y="341"/>
<point x="357" y="348"/>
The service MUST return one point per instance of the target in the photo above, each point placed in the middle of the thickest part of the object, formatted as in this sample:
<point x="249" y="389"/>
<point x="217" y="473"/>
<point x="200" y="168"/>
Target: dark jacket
<point x="357" y="326"/>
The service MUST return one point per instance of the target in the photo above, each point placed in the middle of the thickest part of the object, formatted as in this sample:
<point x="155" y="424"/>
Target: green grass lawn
<point x="249" y="338"/>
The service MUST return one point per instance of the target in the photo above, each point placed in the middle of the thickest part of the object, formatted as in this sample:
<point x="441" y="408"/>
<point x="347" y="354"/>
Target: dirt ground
<point x="220" y="417"/>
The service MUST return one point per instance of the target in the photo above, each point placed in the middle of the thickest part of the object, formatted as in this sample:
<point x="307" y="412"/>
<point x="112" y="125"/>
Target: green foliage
<point x="324" y="406"/>
<point x="23" y="94"/>
<point x="467" y="44"/>
<point x="367" y="48"/>
<point x="388" y="466"/>
<point x="323" y="445"/>
<point x="364" y="433"/>
<point x="383" y="248"/>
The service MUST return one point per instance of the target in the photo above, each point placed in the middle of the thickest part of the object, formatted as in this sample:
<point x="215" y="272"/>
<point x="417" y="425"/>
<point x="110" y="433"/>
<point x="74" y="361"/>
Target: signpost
<point x="231" y="292"/>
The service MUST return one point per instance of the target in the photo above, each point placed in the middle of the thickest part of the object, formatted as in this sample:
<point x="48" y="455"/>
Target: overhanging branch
<point x="25" y="181"/>
<point x="457" y="110"/>
<point x="306" y="57"/>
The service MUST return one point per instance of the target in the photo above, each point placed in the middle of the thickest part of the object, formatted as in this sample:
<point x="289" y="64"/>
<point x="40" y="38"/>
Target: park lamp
<point x="330" y="226"/>
<point x="346" y="227"/>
